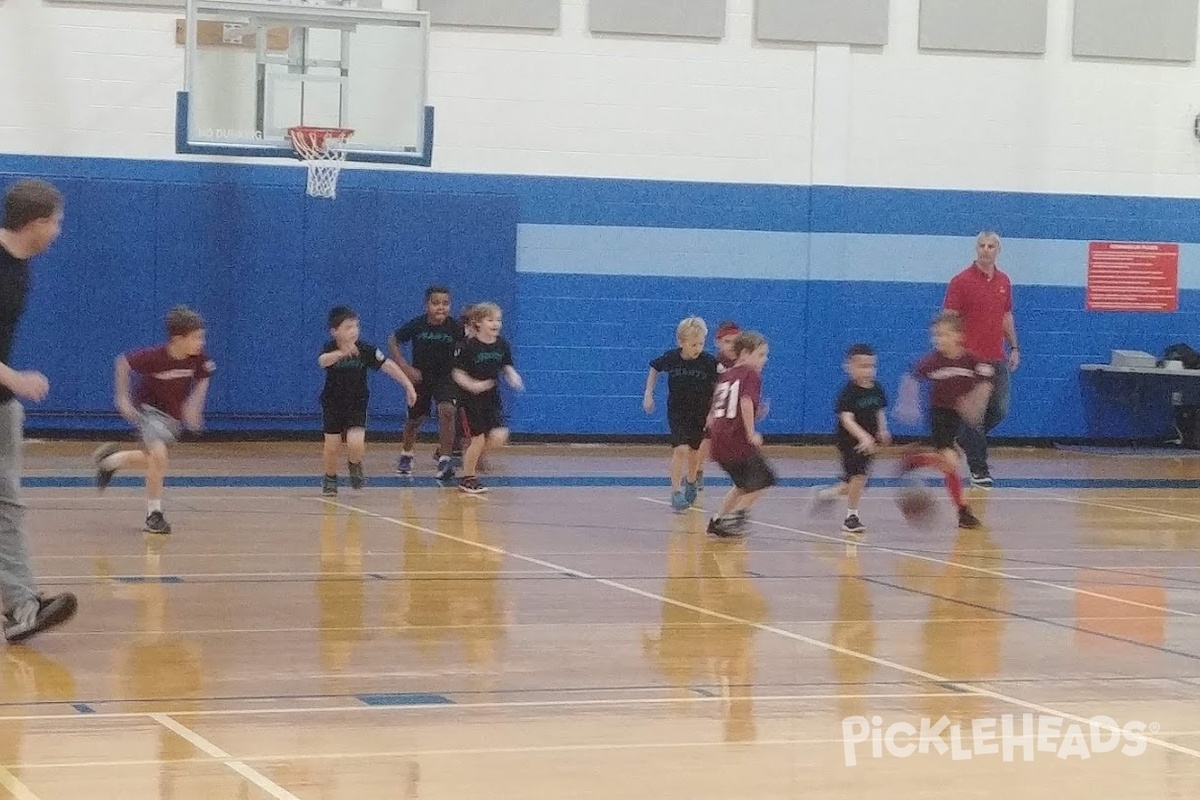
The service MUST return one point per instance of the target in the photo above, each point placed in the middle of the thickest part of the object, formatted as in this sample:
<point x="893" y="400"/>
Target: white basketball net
<point x="323" y="151"/>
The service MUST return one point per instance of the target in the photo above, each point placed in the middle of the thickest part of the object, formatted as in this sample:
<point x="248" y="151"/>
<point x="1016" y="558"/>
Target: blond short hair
<point x="692" y="326"/>
<point x="481" y="311"/>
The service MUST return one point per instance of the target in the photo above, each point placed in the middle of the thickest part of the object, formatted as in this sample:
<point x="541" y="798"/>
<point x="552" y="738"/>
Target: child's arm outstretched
<point x="748" y="417"/>
<point x="122" y="398"/>
<point x="193" y="407"/>
<point x="472" y="385"/>
<point x="908" y="407"/>
<point x="327" y="360"/>
<point x="513" y="378"/>
<point x="397" y="351"/>
<point x="866" y="442"/>
<point x="393" y="369"/>
<point x="885" y="436"/>
<point x="648" y="396"/>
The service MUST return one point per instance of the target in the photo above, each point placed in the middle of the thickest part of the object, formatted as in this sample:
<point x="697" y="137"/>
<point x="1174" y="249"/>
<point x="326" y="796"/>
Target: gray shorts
<point x="157" y="427"/>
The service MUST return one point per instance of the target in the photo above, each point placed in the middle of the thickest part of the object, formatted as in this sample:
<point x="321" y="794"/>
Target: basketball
<point x="918" y="505"/>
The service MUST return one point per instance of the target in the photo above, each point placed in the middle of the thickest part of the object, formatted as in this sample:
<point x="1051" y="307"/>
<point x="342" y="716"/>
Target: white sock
<point x="851" y="512"/>
<point x="153" y="505"/>
<point x="111" y="462"/>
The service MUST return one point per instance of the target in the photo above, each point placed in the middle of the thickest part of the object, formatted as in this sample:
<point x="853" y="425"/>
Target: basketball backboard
<point x="254" y="69"/>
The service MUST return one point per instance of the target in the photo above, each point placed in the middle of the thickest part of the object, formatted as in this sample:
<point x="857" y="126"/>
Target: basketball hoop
<point x="323" y="151"/>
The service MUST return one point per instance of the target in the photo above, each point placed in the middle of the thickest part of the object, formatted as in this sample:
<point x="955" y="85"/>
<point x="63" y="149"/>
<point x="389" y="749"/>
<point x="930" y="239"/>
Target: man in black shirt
<point x="33" y="213"/>
<point x="861" y="428"/>
<point x="434" y="336"/>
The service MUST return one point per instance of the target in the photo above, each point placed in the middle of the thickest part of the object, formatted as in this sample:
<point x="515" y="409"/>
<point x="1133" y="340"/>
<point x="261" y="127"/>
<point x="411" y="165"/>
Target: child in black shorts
<point x="736" y="445"/>
<point x="961" y="385"/>
<point x="346" y="359"/>
<point x="434" y="338"/>
<point x="861" y="428"/>
<point x="482" y="358"/>
<point x="691" y="376"/>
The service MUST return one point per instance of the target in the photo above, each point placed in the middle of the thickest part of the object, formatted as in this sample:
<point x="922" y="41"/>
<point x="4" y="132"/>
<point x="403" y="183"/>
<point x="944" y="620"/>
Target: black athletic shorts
<point x="336" y="418"/>
<point x="687" y="428"/>
<point x="430" y="394"/>
<point x="480" y="415"/>
<point x="854" y="463"/>
<point x="752" y="475"/>
<point x="944" y="425"/>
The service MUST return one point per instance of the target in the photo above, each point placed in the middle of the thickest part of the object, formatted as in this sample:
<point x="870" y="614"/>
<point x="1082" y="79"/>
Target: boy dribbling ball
<point x="961" y="385"/>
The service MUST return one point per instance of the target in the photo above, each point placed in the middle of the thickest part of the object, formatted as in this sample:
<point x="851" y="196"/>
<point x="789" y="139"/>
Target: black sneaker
<point x="157" y="523"/>
<point x="357" y="479"/>
<point x="471" y="486"/>
<point x="104" y="476"/>
<point x="853" y="524"/>
<point x="982" y="479"/>
<point x="37" y="615"/>
<point x="329" y="486"/>
<point x="968" y="520"/>
<point x="445" y="469"/>
<point x="724" y="527"/>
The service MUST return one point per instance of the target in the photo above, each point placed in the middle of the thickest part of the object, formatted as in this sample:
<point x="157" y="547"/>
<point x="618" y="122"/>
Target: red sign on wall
<point x="1132" y="276"/>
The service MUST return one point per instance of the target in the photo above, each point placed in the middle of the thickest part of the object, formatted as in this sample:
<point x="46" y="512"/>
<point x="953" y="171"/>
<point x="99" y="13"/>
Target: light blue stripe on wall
<point x="936" y="259"/>
<point x="662" y="252"/>
<point x="683" y="252"/>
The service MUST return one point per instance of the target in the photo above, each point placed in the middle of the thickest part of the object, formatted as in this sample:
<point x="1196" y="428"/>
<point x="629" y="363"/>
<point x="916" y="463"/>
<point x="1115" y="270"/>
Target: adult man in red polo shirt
<point x="982" y="296"/>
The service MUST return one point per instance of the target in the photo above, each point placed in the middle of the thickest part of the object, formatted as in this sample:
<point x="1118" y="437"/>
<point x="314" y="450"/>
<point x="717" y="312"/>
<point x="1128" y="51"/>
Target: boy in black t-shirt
<point x="691" y="377"/>
<point x="346" y="359"/>
<point x="862" y="427"/>
<point x="482" y="358"/>
<point x="435" y="336"/>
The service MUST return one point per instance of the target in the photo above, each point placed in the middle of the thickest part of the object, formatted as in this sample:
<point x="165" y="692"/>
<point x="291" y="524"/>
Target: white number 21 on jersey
<point x="726" y="402"/>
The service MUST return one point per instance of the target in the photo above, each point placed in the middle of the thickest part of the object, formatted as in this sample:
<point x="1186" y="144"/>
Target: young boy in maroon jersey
<point x="169" y="394"/>
<point x="961" y="384"/>
<point x="735" y="442"/>
<point x="727" y="331"/>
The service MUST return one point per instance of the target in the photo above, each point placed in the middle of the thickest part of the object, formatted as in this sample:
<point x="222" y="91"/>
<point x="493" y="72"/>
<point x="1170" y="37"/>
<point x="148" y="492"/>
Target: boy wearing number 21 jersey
<point x="735" y="442"/>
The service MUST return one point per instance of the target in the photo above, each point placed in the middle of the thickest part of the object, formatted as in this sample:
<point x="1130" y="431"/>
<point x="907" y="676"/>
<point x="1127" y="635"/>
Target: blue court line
<point x="575" y="481"/>
<point x="405" y="699"/>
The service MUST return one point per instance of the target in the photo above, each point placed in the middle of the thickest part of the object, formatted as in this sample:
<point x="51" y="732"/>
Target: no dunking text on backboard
<point x="278" y="65"/>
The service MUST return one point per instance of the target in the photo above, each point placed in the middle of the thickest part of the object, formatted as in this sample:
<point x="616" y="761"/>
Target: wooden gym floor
<point x="567" y="636"/>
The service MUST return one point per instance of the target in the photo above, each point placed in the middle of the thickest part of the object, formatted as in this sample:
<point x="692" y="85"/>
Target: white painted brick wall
<point x="102" y="83"/>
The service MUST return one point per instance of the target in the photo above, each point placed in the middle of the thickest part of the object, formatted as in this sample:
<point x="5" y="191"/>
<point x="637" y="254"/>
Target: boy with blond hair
<point x="691" y="376"/>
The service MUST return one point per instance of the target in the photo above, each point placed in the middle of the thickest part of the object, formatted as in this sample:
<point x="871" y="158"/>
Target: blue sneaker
<point x="679" y="502"/>
<point x="690" y="490"/>
<point x="404" y="464"/>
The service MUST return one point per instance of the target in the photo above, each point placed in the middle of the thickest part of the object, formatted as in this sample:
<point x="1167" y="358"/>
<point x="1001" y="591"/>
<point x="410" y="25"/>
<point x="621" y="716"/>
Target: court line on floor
<point x="494" y="705"/>
<point x="862" y="545"/>
<point x="1154" y="512"/>
<point x="210" y="749"/>
<point x="465" y="751"/>
<point x="14" y="785"/>
<point x="966" y="688"/>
